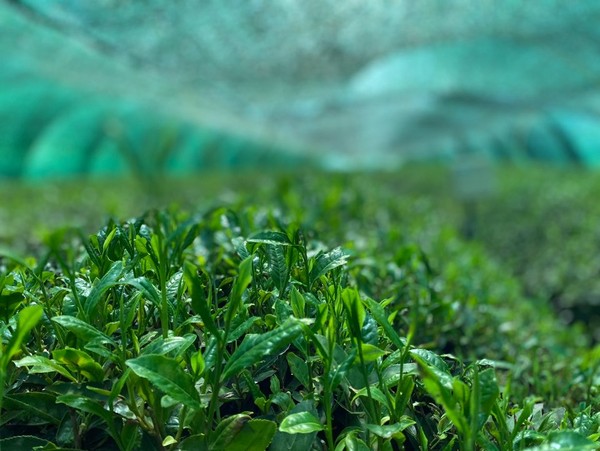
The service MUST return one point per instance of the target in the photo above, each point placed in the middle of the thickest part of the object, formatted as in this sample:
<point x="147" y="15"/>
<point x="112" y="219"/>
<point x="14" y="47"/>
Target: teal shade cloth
<point x="111" y="86"/>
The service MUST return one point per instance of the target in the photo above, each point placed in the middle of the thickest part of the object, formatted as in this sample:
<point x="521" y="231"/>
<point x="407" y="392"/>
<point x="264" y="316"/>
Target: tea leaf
<point x="328" y="261"/>
<point x="297" y="302"/>
<point x="166" y="374"/>
<point x="175" y="345"/>
<point x="22" y="442"/>
<point x="198" y="364"/>
<point x="109" y="280"/>
<point x="227" y="429"/>
<point x="278" y="269"/>
<point x="147" y="288"/>
<point x="379" y="315"/>
<point x="9" y="303"/>
<point x="82" y="361"/>
<point x="295" y="442"/>
<point x="370" y="353"/>
<point x="566" y="441"/>
<point x="82" y="330"/>
<point x="300" y="423"/>
<point x="27" y="319"/>
<point x="489" y="392"/>
<point x="241" y="283"/>
<point x="299" y="368"/>
<point x="244" y="434"/>
<point x="254" y="348"/>
<point x="40" y="364"/>
<point x="430" y="358"/>
<point x="389" y="430"/>
<point x="270" y="237"/>
<point x="199" y="300"/>
<point x="39" y="405"/>
<point x="242" y="329"/>
<point x="440" y="385"/>
<point x="339" y="373"/>
<point x="86" y="405"/>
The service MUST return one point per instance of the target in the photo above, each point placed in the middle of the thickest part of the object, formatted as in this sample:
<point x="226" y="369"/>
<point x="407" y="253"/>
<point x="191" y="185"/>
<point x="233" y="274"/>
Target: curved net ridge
<point x="338" y="84"/>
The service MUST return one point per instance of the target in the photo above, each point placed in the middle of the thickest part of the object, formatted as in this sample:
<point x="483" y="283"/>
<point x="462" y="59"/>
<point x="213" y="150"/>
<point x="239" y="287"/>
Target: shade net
<point x="107" y="86"/>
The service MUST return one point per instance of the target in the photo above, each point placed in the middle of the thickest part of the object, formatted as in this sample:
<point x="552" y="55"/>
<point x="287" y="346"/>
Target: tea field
<point x="300" y="311"/>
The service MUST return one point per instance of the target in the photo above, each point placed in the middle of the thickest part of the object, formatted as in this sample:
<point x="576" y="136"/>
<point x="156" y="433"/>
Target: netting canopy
<point x="100" y="86"/>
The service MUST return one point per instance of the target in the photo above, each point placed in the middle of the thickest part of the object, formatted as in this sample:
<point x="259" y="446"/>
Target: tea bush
<point x="318" y="312"/>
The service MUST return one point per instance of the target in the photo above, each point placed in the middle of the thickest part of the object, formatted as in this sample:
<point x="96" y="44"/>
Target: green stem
<point x="328" y="418"/>
<point x="182" y="417"/>
<point x="162" y="270"/>
<point x="216" y="385"/>
<point x="2" y="378"/>
<point x="372" y="409"/>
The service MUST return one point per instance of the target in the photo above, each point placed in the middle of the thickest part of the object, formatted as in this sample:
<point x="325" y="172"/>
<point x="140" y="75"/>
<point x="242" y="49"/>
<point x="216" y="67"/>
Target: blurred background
<point x="491" y="108"/>
<point x="115" y="85"/>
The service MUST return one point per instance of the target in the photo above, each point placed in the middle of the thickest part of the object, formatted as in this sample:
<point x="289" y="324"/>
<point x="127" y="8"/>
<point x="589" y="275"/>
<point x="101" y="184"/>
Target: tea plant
<point x="236" y="330"/>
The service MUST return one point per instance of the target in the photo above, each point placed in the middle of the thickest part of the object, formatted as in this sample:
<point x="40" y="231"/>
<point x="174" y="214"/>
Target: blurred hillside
<point x="98" y="87"/>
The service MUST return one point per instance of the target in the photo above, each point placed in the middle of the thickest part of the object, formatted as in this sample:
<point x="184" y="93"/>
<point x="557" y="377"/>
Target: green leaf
<point x="440" y="386"/>
<point x="41" y="364"/>
<point x="336" y="377"/>
<point x="370" y="353"/>
<point x="369" y="331"/>
<point x="38" y="404"/>
<point x="295" y="442"/>
<point x="82" y="361"/>
<point x="86" y="405"/>
<point x="278" y="269"/>
<point x="270" y="237"/>
<point x="378" y="313"/>
<point x="299" y="368"/>
<point x="404" y="393"/>
<point x="566" y="441"/>
<point x="210" y="352"/>
<point x="27" y="320"/>
<point x="198" y="364"/>
<point x="10" y="255"/>
<point x="430" y="358"/>
<point x="239" y="286"/>
<point x="165" y="346"/>
<point x="241" y="329"/>
<point x="166" y="374"/>
<point x="109" y="280"/>
<point x="301" y="423"/>
<point x="355" y="310"/>
<point x="244" y="434"/>
<point x="21" y="443"/>
<point x="255" y="347"/>
<point x="352" y="443"/>
<point x="199" y="301"/>
<point x="489" y="392"/>
<point x="297" y="302"/>
<point x="392" y="374"/>
<point x="376" y="394"/>
<point x="108" y="239"/>
<point x="326" y="262"/>
<point x="283" y="400"/>
<point x="193" y="443"/>
<point x="390" y="430"/>
<point x="9" y="303"/>
<point x="82" y="330"/>
<point x="146" y="288"/>
<point x="169" y="440"/>
<point x="256" y="435"/>
<point x="227" y="429"/>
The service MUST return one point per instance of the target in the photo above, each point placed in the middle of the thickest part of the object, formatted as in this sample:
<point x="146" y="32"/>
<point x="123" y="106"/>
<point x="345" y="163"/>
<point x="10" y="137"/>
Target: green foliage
<point x="543" y="226"/>
<point x="330" y="322"/>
